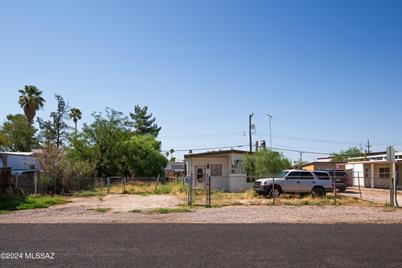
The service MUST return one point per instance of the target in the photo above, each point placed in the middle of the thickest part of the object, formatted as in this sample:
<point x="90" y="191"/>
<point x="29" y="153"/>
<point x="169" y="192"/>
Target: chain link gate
<point x="196" y="195"/>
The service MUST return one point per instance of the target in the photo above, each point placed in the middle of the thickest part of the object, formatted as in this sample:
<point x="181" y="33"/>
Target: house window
<point x="384" y="172"/>
<point x="216" y="170"/>
<point x="237" y="167"/>
<point x="366" y="173"/>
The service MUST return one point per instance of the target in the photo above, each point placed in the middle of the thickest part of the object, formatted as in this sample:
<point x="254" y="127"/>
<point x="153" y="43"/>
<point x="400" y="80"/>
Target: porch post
<point x="372" y="175"/>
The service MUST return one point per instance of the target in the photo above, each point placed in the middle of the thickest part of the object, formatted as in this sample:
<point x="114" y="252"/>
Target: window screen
<point x="216" y="170"/>
<point x="384" y="172"/>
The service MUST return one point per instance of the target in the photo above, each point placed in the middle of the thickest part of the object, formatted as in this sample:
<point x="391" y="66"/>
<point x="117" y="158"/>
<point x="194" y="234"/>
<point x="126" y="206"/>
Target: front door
<point x="199" y="175"/>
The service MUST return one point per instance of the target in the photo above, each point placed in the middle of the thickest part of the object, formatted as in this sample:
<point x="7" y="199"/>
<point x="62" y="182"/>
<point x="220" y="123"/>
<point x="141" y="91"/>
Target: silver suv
<point x="318" y="183"/>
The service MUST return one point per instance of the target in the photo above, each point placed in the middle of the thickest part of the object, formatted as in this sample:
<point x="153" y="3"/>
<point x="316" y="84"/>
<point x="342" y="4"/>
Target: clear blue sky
<point x="329" y="71"/>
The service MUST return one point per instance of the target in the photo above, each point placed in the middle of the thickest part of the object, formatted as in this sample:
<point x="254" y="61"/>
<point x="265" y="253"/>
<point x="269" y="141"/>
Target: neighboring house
<point x="224" y="167"/>
<point x="373" y="170"/>
<point x="324" y="163"/>
<point x="19" y="161"/>
<point x="175" y="170"/>
<point x="24" y="167"/>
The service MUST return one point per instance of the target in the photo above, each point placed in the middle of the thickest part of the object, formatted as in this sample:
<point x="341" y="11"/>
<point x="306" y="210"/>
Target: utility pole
<point x="250" y="126"/>
<point x="270" y="131"/>
<point x="301" y="159"/>
<point x="368" y="146"/>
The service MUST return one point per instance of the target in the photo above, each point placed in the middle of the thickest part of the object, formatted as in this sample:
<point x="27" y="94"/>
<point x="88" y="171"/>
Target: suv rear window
<point x="322" y="175"/>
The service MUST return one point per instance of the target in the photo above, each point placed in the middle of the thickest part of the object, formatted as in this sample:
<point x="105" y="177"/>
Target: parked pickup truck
<point x="318" y="183"/>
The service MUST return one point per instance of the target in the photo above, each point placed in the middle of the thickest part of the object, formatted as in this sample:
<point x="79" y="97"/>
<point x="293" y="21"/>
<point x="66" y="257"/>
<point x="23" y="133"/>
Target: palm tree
<point x="75" y="115"/>
<point x="31" y="101"/>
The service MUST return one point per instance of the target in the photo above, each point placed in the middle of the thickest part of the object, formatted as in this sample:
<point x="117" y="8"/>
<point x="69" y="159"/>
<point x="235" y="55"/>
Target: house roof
<point x="18" y="153"/>
<point x="212" y="153"/>
<point x="321" y="162"/>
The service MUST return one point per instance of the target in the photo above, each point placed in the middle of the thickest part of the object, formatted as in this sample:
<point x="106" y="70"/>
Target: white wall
<point x="227" y="182"/>
<point x="357" y="170"/>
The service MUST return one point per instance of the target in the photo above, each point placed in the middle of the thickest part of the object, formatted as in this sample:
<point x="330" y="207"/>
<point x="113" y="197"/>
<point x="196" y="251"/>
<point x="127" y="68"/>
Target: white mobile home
<point x="224" y="167"/>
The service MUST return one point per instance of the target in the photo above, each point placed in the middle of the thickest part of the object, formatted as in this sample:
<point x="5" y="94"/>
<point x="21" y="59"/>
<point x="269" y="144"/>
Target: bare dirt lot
<point x="141" y="209"/>
<point x="380" y="196"/>
<point x="123" y="203"/>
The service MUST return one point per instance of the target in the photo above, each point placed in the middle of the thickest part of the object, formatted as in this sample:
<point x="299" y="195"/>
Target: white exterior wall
<point x="227" y="182"/>
<point x="217" y="182"/>
<point x="238" y="182"/>
<point x="357" y="170"/>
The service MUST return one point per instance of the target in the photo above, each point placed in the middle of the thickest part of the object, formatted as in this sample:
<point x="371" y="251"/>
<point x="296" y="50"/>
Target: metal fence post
<point x="208" y="192"/>
<point x="108" y="185"/>
<point x="273" y="190"/>
<point x="358" y="183"/>
<point x="334" y="185"/>
<point x="396" y="187"/>
<point x="189" y="191"/>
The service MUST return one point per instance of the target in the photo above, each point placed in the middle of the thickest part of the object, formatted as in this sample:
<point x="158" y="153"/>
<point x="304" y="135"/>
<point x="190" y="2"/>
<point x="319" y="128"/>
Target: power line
<point x="241" y="146"/>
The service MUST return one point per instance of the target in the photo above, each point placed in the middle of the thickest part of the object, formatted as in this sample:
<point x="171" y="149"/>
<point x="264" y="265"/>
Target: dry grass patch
<point x="250" y="197"/>
<point x="141" y="188"/>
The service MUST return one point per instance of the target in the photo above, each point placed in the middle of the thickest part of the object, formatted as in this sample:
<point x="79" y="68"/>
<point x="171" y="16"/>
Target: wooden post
<point x="36" y="182"/>
<point x="108" y="185"/>
<point x="157" y="182"/>
<point x="124" y="185"/>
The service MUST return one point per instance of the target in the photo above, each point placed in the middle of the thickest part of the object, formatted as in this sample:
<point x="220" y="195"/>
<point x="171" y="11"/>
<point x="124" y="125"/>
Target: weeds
<point x="101" y="210"/>
<point x="86" y="193"/>
<point x="10" y="203"/>
<point x="136" y="211"/>
<point x="144" y="189"/>
<point x="171" y="210"/>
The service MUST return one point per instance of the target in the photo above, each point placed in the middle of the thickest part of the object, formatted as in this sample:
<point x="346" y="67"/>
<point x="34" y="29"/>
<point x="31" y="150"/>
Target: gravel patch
<point x="235" y="214"/>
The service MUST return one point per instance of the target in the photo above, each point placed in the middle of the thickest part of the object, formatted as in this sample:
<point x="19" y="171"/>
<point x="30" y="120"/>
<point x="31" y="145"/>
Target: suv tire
<point x="318" y="192"/>
<point x="277" y="192"/>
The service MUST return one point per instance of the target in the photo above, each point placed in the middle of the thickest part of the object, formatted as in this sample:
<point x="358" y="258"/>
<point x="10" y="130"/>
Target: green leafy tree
<point x="17" y="134"/>
<point x="346" y="154"/>
<point x="75" y="115"/>
<point x="3" y="141"/>
<point x="55" y="130"/>
<point x="100" y="143"/>
<point x="265" y="163"/>
<point x="143" y="156"/>
<point x="143" y="122"/>
<point x="31" y="101"/>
